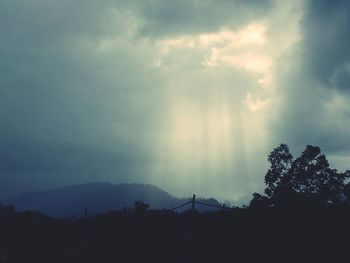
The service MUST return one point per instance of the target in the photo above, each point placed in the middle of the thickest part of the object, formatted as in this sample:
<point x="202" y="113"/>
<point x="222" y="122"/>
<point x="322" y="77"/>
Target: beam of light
<point x="205" y="131"/>
<point x="223" y="92"/>
<point x="208" y="145"/>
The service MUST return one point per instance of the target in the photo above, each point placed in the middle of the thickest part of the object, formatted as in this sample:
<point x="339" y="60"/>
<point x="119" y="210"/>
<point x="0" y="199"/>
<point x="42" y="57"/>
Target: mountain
<point x="98" y="198"/>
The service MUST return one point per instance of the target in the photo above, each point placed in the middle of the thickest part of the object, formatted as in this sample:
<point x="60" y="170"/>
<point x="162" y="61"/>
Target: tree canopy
<point x="307" y="177"/>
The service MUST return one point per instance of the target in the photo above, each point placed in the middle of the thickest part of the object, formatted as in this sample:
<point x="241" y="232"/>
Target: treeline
<point x="303" y="216"/>
<point x="305" y="180"/>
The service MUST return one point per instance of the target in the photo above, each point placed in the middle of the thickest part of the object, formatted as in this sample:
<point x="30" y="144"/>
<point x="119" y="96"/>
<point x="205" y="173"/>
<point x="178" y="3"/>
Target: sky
<point x="189" y="95"/>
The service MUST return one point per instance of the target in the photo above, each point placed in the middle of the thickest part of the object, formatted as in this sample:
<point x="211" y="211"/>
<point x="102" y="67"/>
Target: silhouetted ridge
<point x="98" y="198"/>
<point x="303" y="216"/>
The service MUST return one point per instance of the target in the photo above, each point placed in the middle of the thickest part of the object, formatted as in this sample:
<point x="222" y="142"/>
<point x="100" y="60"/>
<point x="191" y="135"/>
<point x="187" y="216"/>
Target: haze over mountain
<point x="97" y="197"/>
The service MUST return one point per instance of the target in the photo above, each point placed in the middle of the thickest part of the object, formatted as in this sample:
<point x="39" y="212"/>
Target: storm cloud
<point x="189" y="95"/>
<point x="316" y="87"/>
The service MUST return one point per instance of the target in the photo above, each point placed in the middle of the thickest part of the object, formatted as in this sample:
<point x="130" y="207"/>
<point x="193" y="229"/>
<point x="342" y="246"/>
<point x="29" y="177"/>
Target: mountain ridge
<point x="98" y="197"/>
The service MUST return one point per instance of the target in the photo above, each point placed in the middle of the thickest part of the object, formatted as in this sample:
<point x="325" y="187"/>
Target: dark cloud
<point x="326" y="34"/>
<point x="68" y="107"/>
<point x="166" y="18"/>
<point x="82" y="100"/>
<point x="39" y="22"/>
<point x="315" y="91"/>
<point x="65" y="109"/>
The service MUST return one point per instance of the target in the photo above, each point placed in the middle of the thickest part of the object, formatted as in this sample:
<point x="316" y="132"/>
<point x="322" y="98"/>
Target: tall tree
<point x="308" y="176"/>
<point x="280" y="162"/>
<point x="307" y="170"/>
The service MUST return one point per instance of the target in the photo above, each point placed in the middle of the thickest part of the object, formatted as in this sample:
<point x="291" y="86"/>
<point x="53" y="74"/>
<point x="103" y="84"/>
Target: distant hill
<point x="98" y="198"/>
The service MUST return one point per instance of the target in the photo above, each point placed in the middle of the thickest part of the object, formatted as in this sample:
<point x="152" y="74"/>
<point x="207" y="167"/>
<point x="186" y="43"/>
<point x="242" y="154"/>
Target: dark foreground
<point x="313" y="234"/>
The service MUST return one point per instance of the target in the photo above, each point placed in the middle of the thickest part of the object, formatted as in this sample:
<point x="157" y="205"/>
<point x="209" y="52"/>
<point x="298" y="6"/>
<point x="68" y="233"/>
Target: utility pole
<point x="190" y="232"/>
<point x="193" y="202"/>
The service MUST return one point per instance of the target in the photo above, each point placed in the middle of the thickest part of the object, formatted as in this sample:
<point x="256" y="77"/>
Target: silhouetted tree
<point x="140" y="206"/>
<point x="308" y="171"/>
<point x="308" y="176"/>
<point x="280" y="162"/>
<point x="346" y="189"/>
<point x="259" y="201"/>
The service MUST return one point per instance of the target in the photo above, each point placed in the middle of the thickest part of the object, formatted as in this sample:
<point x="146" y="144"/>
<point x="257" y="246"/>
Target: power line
<point x="218" y="206"/>
<point x="84" y="213"/>
<point x="177" y="207"/>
